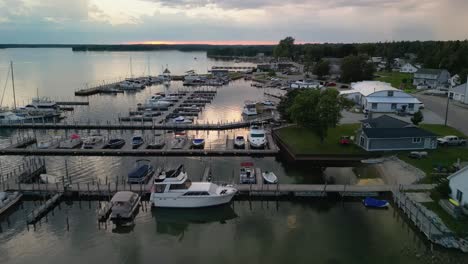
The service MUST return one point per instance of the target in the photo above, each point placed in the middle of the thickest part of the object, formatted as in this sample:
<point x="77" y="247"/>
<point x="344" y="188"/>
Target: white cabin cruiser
<point x="250" y="109"/>
<point x="174" y="189"/>
<point x="91" y="141"/>
<point x="257" y="137"/>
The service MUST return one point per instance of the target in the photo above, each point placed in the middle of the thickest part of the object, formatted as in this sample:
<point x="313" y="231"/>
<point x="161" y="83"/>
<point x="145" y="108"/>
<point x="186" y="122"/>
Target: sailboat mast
<point x="131" y="68"/>
<point x="13" y="84"/>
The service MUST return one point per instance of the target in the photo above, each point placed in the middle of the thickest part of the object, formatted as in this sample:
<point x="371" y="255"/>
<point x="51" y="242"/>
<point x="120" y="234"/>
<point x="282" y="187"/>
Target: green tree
<point x="321" y="69"/>
<point x="417" y="118"/>
<point x="285" y="48"/>
<point x="356" y="68"/>
<point x="285" y="103"/>
<point x="317" y="110"/>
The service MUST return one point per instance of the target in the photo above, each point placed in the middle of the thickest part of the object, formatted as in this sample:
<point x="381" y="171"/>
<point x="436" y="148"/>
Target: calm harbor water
<point x="310" y="231"/>
<point x="246" y="232"/>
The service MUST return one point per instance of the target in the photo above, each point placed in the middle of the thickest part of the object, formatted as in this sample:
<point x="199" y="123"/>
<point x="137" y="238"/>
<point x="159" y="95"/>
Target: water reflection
<point x="176" y="222"/>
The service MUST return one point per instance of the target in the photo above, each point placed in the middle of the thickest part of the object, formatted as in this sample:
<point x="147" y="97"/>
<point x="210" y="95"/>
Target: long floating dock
<point x="138" y="126"/>
<point x="139" y="152"/>
<point x="42" y="210"/>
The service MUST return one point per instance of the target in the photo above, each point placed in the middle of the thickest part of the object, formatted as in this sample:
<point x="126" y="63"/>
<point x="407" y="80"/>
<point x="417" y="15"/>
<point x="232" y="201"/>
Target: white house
<point x="459" y="93"/>
<point x="381" y="97"/>
<point x="455" y="80"/>
<point x="408" y="68"/>
<point x="458" y="183"/>
<point x="432" y="78"/>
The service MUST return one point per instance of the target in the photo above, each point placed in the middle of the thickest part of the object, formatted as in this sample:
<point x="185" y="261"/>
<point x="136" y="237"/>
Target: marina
<point x="86" y="178"/>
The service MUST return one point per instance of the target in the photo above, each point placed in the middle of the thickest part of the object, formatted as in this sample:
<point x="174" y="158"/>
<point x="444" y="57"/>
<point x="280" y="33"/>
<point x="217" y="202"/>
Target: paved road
<point x="457" y="117"/>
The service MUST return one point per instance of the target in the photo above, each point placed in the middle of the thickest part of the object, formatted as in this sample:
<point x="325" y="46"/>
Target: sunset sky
<point x="230" y="21"/>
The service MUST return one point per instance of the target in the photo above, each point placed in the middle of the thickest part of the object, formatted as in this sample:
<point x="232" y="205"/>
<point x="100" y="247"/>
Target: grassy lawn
<point x="442" y="156"/>
<point x="304" y="141"/>
<point x="459" y="226"/>
<point x="396" y="79"/>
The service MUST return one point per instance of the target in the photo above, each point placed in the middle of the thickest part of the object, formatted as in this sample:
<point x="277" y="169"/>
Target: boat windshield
<point x="259" y="135"/>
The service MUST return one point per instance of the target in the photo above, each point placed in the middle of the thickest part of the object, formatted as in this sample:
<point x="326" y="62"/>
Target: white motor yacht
<point x="174" y="189"/>
<point x="239" y="142"/>
<point x="73" y="142"/>
<point x="257" y="137"/>
<point x="250" y="109"/>
<point x="42" y="106"/>
<point x="182" y="120"/>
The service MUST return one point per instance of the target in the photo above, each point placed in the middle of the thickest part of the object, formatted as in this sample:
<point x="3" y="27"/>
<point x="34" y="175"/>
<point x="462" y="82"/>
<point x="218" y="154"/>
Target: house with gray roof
<point x="459" y="93"/>
<point x="432" y="78"/>
<point x="386" y="133"/>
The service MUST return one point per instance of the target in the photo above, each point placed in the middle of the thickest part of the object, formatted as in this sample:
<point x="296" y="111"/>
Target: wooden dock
<point x="182" y="152"/>
<point x="102" y="190"/>
<point x="105" y="88"/>
<point x="72" y="103"/>
<point x="139" y="126"/>
<point x="43" y="209"/>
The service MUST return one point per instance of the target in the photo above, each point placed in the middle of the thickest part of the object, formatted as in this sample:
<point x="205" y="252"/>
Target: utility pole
<point x="447" y="107"/>
<point x="13" y="84"/>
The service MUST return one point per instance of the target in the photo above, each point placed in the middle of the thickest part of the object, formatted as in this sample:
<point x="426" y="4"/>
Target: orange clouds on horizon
<point x="204" y="42"/>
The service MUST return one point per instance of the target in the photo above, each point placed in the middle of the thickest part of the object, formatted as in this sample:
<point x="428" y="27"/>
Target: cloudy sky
<point x="230" y="21"/>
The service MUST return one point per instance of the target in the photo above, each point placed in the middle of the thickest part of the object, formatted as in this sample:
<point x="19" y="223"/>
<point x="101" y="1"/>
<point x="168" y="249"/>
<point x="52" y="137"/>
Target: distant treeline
<point x="450" y="55"/>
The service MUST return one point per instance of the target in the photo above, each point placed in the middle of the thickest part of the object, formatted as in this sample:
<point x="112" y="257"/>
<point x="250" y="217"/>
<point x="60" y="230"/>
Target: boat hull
<point x="189" y="201"/>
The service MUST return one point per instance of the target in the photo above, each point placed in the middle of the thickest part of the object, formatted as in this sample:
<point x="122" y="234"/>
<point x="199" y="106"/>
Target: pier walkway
<point x="135" y="126"/>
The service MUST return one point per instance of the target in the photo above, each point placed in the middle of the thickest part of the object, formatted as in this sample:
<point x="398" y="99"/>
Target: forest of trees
<point x="450" y="55"/>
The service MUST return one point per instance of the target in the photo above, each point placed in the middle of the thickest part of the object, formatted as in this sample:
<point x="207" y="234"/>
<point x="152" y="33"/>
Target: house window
<point x="390" y="93"/>
<point x="411" y="106"/>
<point x="459" y="195"/>
<point x="374" y="105"/>
<point x="417" y="140"/>
<point x="393" y="106"/>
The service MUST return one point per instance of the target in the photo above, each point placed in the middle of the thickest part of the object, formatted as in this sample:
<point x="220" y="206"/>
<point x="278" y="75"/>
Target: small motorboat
<point x="137" y="141"/>
<point x="181" y="120"/>
<point x="8" y="199"/>
<point x="247" y="173"/>
<point x="124" y="207"/>
<point x="115" y="143"/>
<point x="179" y="142"/>
<point x="239" y="142"/>
<point x="91" y="141"/>
<point x="198" y="143"/>
<point x="141" y="173"/>
<point x="48" y="178"/>
<point x="74" y="142"/>
<point x="157" y="143"/>
<point x="43" y="144"/>
<point x="375" y="203"/>
<point x="269" y="177"/>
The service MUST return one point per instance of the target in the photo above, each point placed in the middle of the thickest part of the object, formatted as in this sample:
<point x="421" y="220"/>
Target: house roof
<point x="459" y="89"/>
<point x="430" y="71"/>
<point x="391" y="99"/>
<point x="368" y="87"/>
<point x="460" y="172"/>
<point x="407" y="132"/>
<point x="385" y="121"/>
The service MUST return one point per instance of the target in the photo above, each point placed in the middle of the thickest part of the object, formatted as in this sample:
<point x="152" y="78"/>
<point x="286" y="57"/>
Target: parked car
<point x="451" y="141"/>
<point x="344" y="86"/>
<point x="346" y="140"/>
<point x="330" y="84"/>
<point x="417" y="154"/>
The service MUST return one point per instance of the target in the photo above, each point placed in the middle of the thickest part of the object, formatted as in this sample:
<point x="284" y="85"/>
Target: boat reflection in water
<point x="175" y="221"/>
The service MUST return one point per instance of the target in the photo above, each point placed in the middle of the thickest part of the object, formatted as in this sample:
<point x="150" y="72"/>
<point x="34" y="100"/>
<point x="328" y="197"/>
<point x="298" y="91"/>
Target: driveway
<point x="457" y="117"/>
